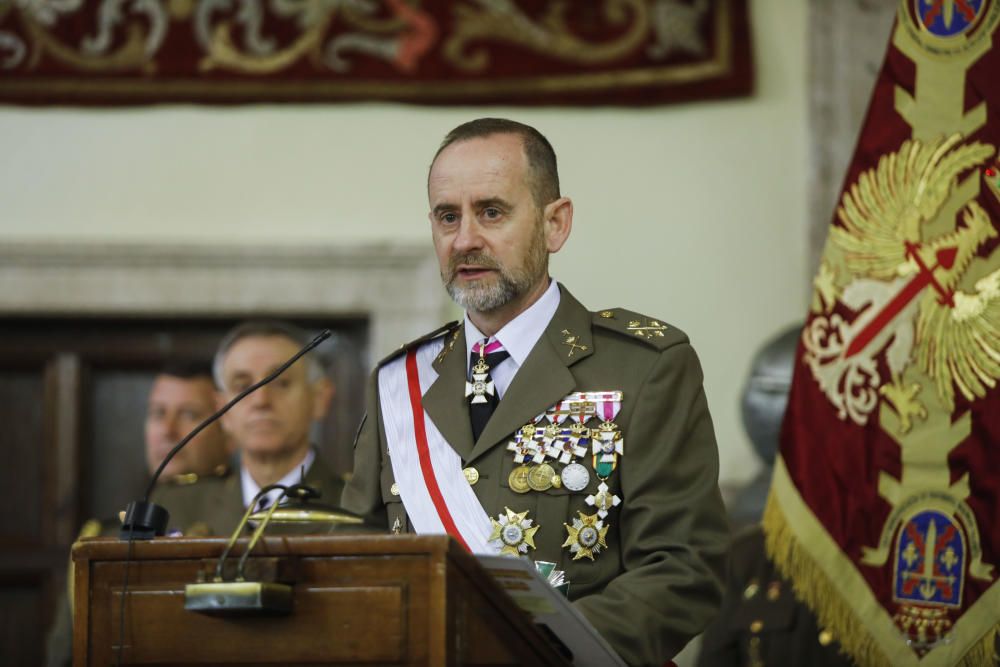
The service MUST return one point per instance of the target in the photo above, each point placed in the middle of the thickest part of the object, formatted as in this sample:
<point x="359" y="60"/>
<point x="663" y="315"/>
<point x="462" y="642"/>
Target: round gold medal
<point x="540" y="477"/>
<point x="518" y="479"/>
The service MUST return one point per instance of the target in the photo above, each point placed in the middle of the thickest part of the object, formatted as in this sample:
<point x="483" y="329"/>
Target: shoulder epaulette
<point x="440" y="331"/>
<point x="655" y="333"/>
<point x="90" y="528"/>
<point x="190" y="478"/>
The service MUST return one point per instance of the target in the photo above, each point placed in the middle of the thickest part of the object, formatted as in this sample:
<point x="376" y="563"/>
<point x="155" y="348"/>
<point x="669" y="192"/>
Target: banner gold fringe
<point x="812" y="586"/>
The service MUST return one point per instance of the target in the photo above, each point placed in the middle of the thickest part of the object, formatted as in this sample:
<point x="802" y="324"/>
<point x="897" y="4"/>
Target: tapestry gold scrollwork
<point x="142" y="38"/>
<point x="436" y="51"/>
<point x="503" y="21"/>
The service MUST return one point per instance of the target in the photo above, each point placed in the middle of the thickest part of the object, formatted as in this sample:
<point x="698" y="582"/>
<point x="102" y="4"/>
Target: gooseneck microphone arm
<point x="143" y="519"/>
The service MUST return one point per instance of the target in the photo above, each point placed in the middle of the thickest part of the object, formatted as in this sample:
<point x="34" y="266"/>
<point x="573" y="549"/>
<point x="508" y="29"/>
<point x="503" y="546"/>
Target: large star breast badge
<point x="586" y="536"/>
<point x="513" y="533"/>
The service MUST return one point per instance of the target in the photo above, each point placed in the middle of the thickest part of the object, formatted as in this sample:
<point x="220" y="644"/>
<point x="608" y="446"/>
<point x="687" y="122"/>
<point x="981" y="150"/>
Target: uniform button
<point x="394" y="489"/>
<point x="774" y="590"/>
<point x="751" y="589"/>
<point x="825" y="638"/>
<point x="607" y="314"/>
<point x="471" y="475"/>
<point x="756" y="626"/>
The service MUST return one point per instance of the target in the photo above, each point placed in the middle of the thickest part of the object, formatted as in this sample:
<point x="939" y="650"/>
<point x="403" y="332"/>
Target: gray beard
<point x="487" y="298"/>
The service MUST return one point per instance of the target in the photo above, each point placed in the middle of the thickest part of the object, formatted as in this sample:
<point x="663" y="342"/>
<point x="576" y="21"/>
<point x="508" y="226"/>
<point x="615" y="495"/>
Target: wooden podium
<point x="357" y="600"/>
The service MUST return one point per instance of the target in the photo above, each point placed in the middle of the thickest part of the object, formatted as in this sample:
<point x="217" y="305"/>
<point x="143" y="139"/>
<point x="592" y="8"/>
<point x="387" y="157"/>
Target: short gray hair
<point x="266" y="329"/>
<point x="543" y="171"/>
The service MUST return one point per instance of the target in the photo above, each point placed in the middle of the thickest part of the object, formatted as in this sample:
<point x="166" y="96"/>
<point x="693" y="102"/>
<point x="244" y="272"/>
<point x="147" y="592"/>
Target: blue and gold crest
<point x="930" y="560"/>
<point x="948" y="18"/>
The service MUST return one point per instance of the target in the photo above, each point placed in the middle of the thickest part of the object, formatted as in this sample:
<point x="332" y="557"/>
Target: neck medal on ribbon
<point x="481" y="386"/>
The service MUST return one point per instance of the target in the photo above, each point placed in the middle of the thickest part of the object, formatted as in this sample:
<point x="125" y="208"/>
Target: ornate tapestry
<point x="115" y="52"/>
<point x="883" y="507"/>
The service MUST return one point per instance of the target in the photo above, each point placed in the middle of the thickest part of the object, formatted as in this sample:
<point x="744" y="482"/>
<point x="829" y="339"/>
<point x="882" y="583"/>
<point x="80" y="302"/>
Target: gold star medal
<point x="586" y="536"/>
<point x="513" y="534"/>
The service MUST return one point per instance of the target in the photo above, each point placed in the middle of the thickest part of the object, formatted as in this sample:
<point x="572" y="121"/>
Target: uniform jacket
<point x="658" y="583"/>
<point x="761" y="622"/>
<point x="213" y="506"/>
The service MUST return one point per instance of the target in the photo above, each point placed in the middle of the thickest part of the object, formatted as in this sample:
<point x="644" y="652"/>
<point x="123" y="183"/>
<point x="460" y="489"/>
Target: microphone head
<point x="144" y="521"/>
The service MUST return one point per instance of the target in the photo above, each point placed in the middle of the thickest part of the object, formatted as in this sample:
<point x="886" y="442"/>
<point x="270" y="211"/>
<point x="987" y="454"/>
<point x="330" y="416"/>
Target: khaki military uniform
<point x="658" y="582"/>
<point x="214" y="506"/>
<point x="761" y="622"/>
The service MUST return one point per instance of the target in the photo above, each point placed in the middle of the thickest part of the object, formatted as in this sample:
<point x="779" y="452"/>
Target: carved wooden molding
<point x="396" y="286"/>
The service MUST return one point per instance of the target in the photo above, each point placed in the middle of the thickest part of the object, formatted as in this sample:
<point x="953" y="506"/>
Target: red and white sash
<point x="437" y="497"/>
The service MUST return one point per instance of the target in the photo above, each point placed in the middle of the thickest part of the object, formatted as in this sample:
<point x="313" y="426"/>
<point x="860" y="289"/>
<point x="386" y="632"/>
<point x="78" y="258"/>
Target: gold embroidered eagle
<point x="885" y="216"/>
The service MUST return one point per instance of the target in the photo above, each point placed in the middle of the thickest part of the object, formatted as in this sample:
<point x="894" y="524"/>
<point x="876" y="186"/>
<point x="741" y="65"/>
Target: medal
<point x="524" y="445"/>
<point x="607" y="444"/>
<point x="586" y="536"/>
<point x="480" y="385"/>
<point x="575" y="477"/>
<point x="542" y="477"/>
<point x="603" y="500"/>
<point x="518" y="479"/>
<point x="513" y="534"/>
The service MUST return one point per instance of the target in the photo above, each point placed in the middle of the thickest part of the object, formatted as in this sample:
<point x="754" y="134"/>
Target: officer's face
<point x="489" y="233"/>
<point x="275" y="419"/>
<point x="176" y="406"/>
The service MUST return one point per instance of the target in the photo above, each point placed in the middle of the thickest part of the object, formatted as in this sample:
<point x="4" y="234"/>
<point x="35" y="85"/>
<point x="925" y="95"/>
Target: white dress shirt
<point x="252" y="488"/>
<point x="518" y="337"/>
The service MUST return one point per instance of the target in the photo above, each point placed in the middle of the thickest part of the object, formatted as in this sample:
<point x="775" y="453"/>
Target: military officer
<point x="181" y="397"/>
<point x="761" y="622"/>
<point x="269" y="428"/>
<point x="538" y="428"/>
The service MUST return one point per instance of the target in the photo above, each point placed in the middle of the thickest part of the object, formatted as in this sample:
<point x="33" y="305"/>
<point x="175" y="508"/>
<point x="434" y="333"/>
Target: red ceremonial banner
<point x="116" y="52"/>
<point x="884" y="505"/>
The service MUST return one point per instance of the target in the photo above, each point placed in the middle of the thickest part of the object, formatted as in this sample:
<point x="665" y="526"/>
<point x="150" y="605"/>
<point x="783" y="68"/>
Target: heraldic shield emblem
<point x="883" y="508"/>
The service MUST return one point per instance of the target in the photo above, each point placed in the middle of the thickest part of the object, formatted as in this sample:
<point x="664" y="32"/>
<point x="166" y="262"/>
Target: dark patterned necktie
<point x="482" y="395"/>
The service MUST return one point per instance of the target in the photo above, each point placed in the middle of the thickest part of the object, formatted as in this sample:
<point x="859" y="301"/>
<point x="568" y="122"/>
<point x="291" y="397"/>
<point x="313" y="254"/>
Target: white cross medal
<point x="603" y="500"/>
<point x="480" y="385"/>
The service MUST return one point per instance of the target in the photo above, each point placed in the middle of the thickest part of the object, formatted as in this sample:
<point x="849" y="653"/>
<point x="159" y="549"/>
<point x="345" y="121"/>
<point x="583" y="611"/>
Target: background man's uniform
<point x="657" y="584"/>
<point x="213" y="506"/>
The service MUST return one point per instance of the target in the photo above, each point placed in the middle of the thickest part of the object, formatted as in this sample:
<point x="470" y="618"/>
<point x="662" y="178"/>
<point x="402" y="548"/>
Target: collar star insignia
<point x="586" y="536"/>
<point x="513" y="533"/>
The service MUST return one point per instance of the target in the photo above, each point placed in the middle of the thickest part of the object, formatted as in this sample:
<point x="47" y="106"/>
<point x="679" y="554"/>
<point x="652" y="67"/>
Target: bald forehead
<point x="498" y="157"/>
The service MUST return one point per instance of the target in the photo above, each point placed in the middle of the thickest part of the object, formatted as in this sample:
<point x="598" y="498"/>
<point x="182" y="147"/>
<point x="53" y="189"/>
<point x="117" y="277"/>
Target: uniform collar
<point x="294" y="476"/>
<point x="519" y="336"/>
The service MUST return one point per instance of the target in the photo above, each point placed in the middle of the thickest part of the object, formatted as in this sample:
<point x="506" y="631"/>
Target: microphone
<point x="145" y="520"/>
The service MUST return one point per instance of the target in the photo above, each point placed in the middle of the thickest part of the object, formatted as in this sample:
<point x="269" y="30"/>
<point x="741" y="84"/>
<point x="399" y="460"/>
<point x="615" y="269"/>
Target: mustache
<point x="478" y="259"/>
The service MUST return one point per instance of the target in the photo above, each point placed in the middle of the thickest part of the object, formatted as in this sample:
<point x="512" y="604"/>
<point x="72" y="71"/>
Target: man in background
<point x="182" y="396"/>
<point x="270" y="429"/>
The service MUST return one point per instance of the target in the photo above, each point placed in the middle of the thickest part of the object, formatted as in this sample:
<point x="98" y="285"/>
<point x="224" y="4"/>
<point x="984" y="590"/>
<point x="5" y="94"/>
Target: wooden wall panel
<point x="22" y="447"/>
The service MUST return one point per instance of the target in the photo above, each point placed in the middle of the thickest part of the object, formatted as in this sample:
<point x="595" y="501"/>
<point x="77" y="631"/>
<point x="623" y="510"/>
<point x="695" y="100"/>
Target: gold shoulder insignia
<point x="92" y="528"/>
<point x="651" y="331"/>
<point x="183" y="479"/>
<point x="449" y="328"/>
